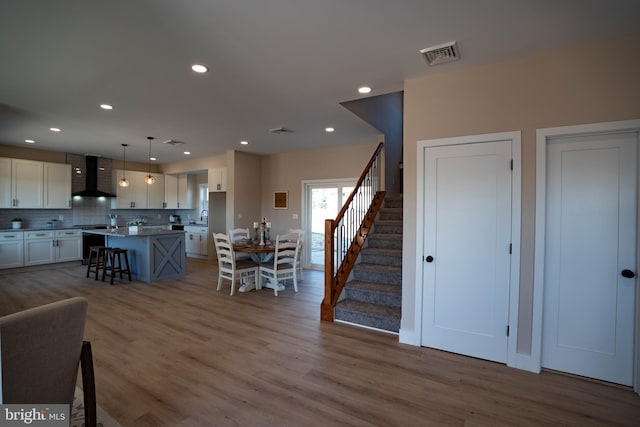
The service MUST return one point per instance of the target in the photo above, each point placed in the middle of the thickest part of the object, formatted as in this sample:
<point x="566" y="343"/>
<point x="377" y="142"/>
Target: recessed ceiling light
<point x="329" y="129"/>
<point x="187" y="152"/>
<point x="364" y="89"/>
<point x="152" y="158"/>
<point x="54" y="129"/>
<point x="106" y="106"/>
<point x="29" y="141"/>
<point x="198" y="68"/>
<point x="244" y="142"/>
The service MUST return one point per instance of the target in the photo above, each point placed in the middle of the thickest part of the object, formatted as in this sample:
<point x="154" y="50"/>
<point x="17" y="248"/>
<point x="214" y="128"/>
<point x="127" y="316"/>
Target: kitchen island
<point x="154" y="254"/>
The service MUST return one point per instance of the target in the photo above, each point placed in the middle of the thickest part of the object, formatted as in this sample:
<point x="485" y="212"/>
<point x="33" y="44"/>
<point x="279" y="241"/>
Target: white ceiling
<point x="272" y="63"/>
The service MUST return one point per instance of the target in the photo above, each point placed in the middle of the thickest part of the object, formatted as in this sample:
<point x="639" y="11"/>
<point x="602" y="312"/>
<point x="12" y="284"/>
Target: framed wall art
<point x="281" y="200"/>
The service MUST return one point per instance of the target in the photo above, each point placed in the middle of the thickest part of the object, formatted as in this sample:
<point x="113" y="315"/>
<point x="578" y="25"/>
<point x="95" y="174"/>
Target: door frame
<point x="306" y="209"/>
<point x="516" y="196"/>
<point x="543" y="136"/>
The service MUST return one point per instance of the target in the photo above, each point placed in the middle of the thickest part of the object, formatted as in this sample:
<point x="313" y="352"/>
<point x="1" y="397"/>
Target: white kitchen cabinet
<point x="49" y="246"/>
<point x="39" y="247"/>
<point x="218" y="180"/>
<point x="196" y="239"/>
<point x="11" y="251"/>
<point x="27" y="184"/>
<point x="178" y="191"/>
<point x="185" y="191"/>
<point x="68" y="245"/>
<point x="5" y="182"/>
<point x="139" y="194"/>
<point x="155" y="192"/>
<point x="170" y="192"/>
<point x="57" y="186"/>
<point x="132" y="197"/>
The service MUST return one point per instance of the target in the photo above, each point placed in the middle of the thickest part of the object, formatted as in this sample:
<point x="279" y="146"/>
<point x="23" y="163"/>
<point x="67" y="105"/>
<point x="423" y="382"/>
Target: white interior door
<point x="588" y="308"/>
<point x="467" y="232"/>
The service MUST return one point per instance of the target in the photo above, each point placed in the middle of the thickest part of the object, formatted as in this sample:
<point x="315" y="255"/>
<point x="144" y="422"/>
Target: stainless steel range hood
<point x="91" y="171"/>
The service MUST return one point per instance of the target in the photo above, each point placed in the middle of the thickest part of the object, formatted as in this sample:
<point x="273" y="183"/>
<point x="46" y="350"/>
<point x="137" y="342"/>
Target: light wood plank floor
<point x="178" y="353"/>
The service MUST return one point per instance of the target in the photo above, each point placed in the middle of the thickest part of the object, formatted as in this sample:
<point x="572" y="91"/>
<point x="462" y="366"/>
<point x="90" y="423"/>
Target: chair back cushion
<point x="40" y="352"/>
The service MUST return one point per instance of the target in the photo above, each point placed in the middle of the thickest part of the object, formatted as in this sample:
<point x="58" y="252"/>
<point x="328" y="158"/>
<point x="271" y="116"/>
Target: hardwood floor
<point x="178" y="353"/>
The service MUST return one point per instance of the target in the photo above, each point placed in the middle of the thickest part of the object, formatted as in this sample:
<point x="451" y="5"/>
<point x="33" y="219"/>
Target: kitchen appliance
<point x="91" y="180"/>
<point x="174" y="219"/>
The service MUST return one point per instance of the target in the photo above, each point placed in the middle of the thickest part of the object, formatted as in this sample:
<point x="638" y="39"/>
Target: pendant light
<point x="124" y="182"/>
<point x="150" y="179"/>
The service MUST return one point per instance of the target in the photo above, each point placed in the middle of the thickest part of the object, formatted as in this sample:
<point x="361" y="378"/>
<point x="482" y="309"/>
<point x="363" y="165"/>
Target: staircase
<point x="373" y="295"/>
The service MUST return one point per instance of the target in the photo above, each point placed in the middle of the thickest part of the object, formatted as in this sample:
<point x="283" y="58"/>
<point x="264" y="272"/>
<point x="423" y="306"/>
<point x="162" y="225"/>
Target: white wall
<point x="598" y="82"/>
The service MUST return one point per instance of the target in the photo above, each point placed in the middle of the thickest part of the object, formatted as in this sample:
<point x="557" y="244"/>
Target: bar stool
<point x="111" y="256"/>
<point x="96" y="260"/>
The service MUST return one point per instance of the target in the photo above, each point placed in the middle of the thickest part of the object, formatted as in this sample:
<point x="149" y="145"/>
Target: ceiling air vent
<point x="173" y="142"/>
<point x="280" y="130"/>
<point x="442" y="53"/>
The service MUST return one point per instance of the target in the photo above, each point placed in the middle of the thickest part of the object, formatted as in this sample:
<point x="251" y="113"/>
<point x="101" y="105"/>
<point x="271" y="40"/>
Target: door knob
<point x="429" y="258"/>
<point x="628" y="274"/>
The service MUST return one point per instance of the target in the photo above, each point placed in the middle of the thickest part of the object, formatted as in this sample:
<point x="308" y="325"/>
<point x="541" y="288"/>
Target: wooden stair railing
<point x="345" y="236"/>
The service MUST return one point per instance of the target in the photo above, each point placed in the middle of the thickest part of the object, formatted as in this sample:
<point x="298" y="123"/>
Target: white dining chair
<point x="229" y="267"/>
<point x="239" y="235"/>
<point x="299" y="270"/>
<point x="283" y="266"/>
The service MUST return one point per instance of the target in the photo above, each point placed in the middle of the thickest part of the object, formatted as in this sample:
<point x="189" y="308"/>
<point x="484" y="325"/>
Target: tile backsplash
<point x="88" y="211"/>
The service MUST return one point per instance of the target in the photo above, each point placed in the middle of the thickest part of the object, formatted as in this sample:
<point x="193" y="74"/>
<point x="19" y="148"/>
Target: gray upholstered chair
<point x="41" y="348"/>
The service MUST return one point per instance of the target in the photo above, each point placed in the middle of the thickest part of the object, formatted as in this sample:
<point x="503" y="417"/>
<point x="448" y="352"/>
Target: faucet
<point x="203" y="214"/>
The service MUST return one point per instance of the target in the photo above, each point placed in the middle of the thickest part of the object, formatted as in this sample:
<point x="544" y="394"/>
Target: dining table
<point x="259" y="253"/>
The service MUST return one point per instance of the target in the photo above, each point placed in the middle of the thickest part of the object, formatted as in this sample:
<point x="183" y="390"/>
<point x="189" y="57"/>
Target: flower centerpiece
<point x="16" y="222"/>
<point x="136" y="224"/>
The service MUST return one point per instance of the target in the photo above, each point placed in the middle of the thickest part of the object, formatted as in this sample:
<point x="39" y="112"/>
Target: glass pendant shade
<point x="149" y="179"/>
<point x="124" y="182"/>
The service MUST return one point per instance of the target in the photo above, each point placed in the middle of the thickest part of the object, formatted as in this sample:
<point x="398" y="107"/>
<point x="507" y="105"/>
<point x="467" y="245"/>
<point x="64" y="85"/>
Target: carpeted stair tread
<point x="389" y="221"/>
<point x="389" y="236"/>
<point x="383" y="251"/>
<point x="384" y="240"/>
<point x="376" y="273"/>
<point x="392" y="202"/>
<point x="380" y="268"/>
<point x="388" y="226"/>
<point x="375" y="316"/>
<point x="374" y="293"/>
<point x="373" y="296"/>
<point x="390" y="213"/>
<point x="382" y="256"/>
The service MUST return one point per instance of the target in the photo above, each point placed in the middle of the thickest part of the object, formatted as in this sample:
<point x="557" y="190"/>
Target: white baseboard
<point x="524" y="362"/>
<point x="409" y="336"/>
